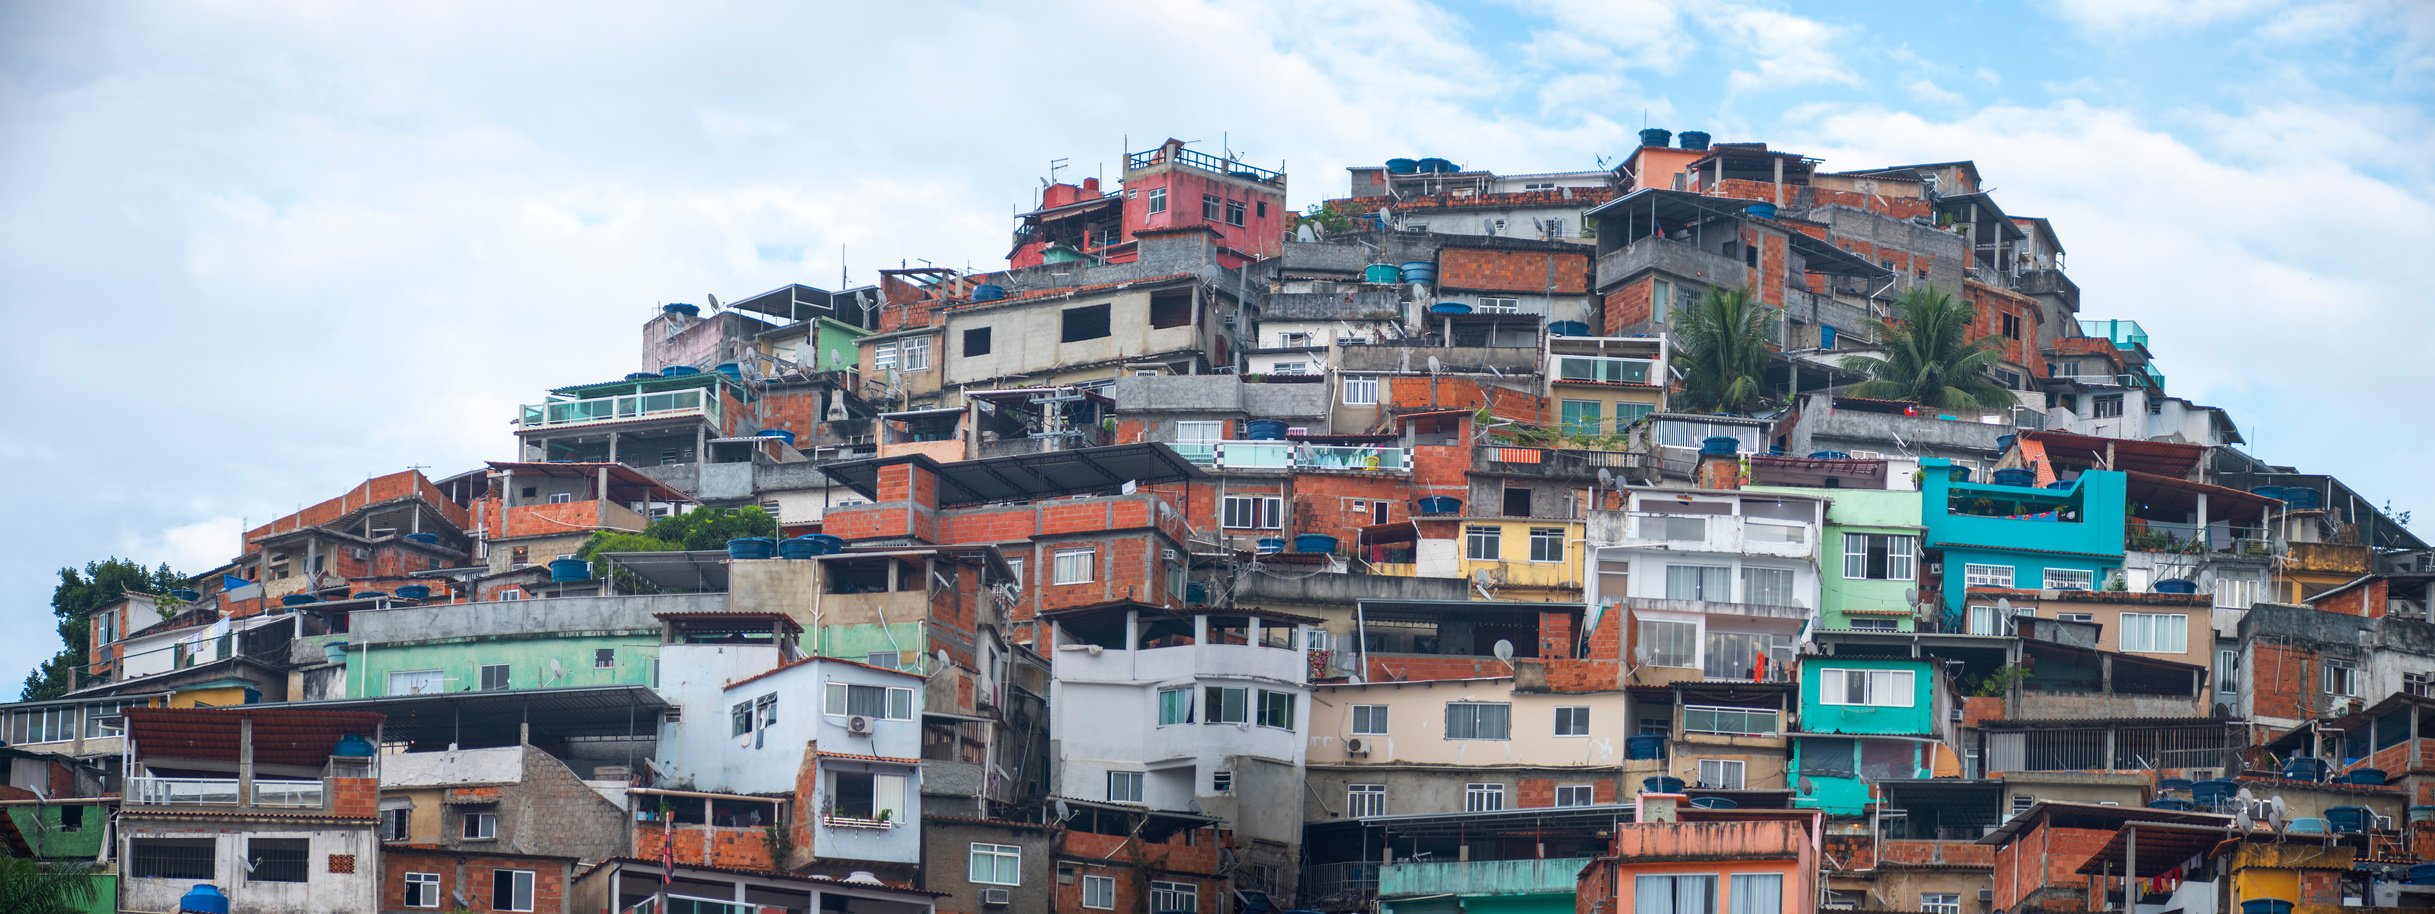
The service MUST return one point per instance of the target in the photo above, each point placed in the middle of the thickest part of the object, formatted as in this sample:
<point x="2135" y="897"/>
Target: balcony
<point x="1556" y="876"/>
<point x="159" y="791"/>
<point x="1560" y="463"/>
<point x="687" y="904"/>
<point x="1678" y="258"/>
<point x="2190" y="539"/>
<point x="665" y="405"/>
<point x="1715" y="533"/>
<point x="2124" y="334"/>
<point x="1603" y="370"/>
<point x="1294" y="455"/>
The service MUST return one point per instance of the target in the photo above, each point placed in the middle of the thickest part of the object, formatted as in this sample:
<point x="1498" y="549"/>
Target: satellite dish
<point x="714" y="301"/>
<point x="1606" y="477"/>
<point x="2240" y="818"/>
<point x="2003" y="606"/>
<point x="1911" y="596"/>
<point x="2245" y="797"/>
<point x="1435" y="366"/>
<point x="944" y="661"/>
<point x="1504" y="650"/>
<point x="1064" y="812"/>
<point x="557" y="670"/>
<point x="2275" y="814"/>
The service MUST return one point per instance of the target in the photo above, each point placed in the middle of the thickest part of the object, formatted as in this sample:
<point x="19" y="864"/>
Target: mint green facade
<point x="1831" y="768"/>
<point x="634" y="660"/>
<point x="1481" y="886"/>
<point x="46" y="831"/>
<point x="859" y="641"/>
<point x="1862" y="511"/>
<point x="834" y="344"/>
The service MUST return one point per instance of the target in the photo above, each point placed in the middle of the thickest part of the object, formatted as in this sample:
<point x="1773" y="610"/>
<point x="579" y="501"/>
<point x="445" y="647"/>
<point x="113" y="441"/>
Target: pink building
<point x="1688" y="860"/>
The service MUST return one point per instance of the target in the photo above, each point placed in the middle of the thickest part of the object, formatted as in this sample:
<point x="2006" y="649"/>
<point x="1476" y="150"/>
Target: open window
<point x="1089" y="322"/>
<point x="1169" y="309"/>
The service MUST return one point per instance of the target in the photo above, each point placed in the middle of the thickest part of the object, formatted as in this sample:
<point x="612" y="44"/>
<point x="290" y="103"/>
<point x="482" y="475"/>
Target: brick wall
<point x="355" y="798"/>
<point x="1627" y="308"/>
<point x="1539" y="272"/>
<point x="2283" y="681"/>
<point x="377" y="490"/>
<point x="476" y="876"/>
<point x="738" y="847"/>
<point x="1992" y="305"/>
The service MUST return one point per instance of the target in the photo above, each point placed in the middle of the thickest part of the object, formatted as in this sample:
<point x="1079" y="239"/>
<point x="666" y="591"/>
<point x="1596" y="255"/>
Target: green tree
<point x="1723" y="354"/>
<point x="711" y="528"/>
<point x="79" y="593"/>
<point x="1930" y="358"/>
<point x="29" y="886"/>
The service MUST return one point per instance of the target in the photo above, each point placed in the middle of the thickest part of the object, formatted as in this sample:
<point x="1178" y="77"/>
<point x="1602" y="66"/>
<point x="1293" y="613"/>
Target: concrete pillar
<point x="1779" y="163"/>
<point x="245" y="761"/>
<point x="612" y="447"/>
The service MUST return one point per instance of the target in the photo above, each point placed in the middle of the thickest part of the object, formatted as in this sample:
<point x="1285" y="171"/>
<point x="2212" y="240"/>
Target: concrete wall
<point x="1026" y="337"/>
<point x="529" y="661"/>
<point x="947" y="845"/>
<point x="325" y="890"/>
<point x="1416" y="726"/>
<point x="1412" y="791"/>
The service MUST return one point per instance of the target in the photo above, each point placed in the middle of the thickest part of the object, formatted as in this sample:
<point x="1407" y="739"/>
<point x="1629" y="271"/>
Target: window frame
<point x="1490" y="537"/>
<point x="261" y="869"/>
<point x="2156" y="630"/>
<point x="1089" y="560"/>
<point x="1976" y="575"/>
<point x="1269" y="711"/>
<point x="1127" y="786"/>
<point x="1547" y="544"/>
<point x="1690" y="638"/>
<point x="510" y="881"/>
<point x="1378" y="716"/>
<point x="1738" y="768"/>
<point x="1366" y="385"/>
<point x="1214" y="712"/>
<point x="1107" y="887"/>
<point x="913" y="353"/>
<point x="1158" y="201"/>
<point x="2046" y="579"/>
<point x="1266" y="512"/>
<point x="1171" y="892"/>
<point x="1583" y="794"/>
<point x="1830" y="694"/>
<point x="489" y="832"/>
<point x="1868" y="556"/>
<point x="1164" y="707"/>
<point x="1360" y="796"/>
<point x="430" y="881"/>
<point x="1576" y="715"/>
<point x="1478" y="796"/>
<point x="1473" y="713"/>
<point x="998" y="854"/>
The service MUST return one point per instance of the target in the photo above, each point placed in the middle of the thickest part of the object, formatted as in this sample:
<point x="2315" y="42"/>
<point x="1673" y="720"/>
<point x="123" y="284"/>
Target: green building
<point x="1869" y="556"/>
<point x="1864" y="720"/>
<point x="71" y="832"/>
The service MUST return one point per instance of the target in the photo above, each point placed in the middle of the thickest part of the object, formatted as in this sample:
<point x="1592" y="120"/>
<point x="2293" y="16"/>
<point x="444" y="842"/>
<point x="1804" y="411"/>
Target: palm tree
<point x="1723" y="352"/>
<point x="1930" y="358"/>
<point x="45" y="887"/>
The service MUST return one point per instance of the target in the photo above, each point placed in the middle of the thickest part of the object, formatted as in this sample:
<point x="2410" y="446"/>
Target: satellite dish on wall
<point x="1503" y="650"/>
<point x="1064" y="812"/>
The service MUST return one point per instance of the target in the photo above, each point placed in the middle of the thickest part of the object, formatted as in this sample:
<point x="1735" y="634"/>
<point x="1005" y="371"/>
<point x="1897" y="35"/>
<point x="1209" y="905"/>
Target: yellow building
<point x="1523" y="558"/>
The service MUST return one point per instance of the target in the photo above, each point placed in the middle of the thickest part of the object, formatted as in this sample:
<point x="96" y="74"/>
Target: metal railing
<point x="2190" y="539"/>
<point x="687" y="904"/>
<point x="1730" y="721"/>
<point x="1285" y="455"/>
<point x="1605" y="369"/>
<point x="628" y="406"/>
<point x="155" y="791"/>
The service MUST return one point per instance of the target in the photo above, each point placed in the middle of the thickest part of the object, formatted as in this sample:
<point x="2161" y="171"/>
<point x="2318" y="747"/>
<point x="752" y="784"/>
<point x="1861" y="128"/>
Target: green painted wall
<point x="1838" y="795"/>
<point x="527" y="660"/>
<point x="1860" y="511"/>
<point x="1917" y="720"/>
<point x="855" y="642"/>
<point x="835" y="341"/>
<point x="42" y="830"/>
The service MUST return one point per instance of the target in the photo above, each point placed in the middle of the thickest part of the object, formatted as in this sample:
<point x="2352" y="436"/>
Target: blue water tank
<point x="354" y="745"/>
<point x="370" y="594"/>
<point x="1439" y="504"/>
<point x="2209" y="793"/>
<point x="298" y="599"/>
<point x="2004" y="442"/>
<point x="2061" y="485"/>
<point x="570" y="571"/>
<point x="1721" y="446"/>
<point x="203" y="899"/>
<point x="2372" y="777"/>
<point x="2300" y="498"/>
<point x="1270" y="545"/>
<point x="2025" y="479"/>
<point x="828" y="545"/>
<point x="186" y="594"/>
<point x="415" y="592"/>
<point x="1568" y="328"/>
<point x="1385" y="274"/>
<point x="733" y="370"/>
<point x="688" y="310"/>
<point x="778" y="433"/>
<point x="2177" y="585"/>
<point x="1402" y="166"/>
<point x="1961" y="474"/>
<point x="1314" y="542"/>
<point x="751" y="547"/>
<point x="2306" y="825"/>
<point x="2273" y="492"/>
<point x="1265" y="430"/>
<point x="1693" y="139"/>
<point x="988" y="291"/>
<point x="1661" y="784"/>
<point x="1644" y="747"/>
<point x="800" y="547"/>
<point x="1761" y="211"/>
<point x="679" y="371"/>
<point x="2305" y="768"/>
<point x="2266" y="906"/>
<point x="2348" y="820"/>
<point x="1655" y="136"/>
<point x="1434" y="165"/>
<point x="1450" y="307"/>
<point x="1713" y="803"/>
<point x="427" y="539"/>
<point x="1829" y="455"/>
<point x="2174" y="803"/>
<point x="2422" y="874"/>
<point x="1419" y="271"/>
<point x="640" y="375"/>
<point x="1196" y="593"/>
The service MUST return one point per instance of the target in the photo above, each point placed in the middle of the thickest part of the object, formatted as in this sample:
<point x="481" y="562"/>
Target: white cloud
<point x="1926" y="90"/>
<point x="2115" y="17"/>
<point x="1785" y="51"/>
<point x="190" y="548"/>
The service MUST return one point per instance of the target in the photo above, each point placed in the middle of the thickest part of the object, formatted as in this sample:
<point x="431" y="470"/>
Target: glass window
<point x="1661" y="294"/>
<point x="996" y="864"/>
<point x="1365" y="800"/>
<point x="1369" y="720"/>
<point x="422" y="890"/>
<point x="1124" y="786"/>
<point x="1756" y="893"/>
<point x="1667" y="643"/>
<point x="2156" y="633"/>
<point x="1234" y="212"/>
<point x="1158" y="200"/>
<point x="1099" y="892"/>
<point x="1175" y="897"/>
<point x="1254" y="512"/>
<point x="1730" y="721"/>
<point x="1576" y="795"/>
<point x="1713" y="583"/>
<point x="1720" y="773"/>
<point x="1481" y="544"/>
<point x="1478" y="720"/>
<point x="2341" y="679"/>
<point x="2227" y="672"/>
<point x="1212" y="207"/>
<point x="1225" y="704"/>
<point x="1879" y="556"/>
<point x="1573" y="721"/>
<point x="1277" y="709"/>
<point x="915" y="353"/>
<point x="480" y="826"/>
<point x="417" y="682"/>
<point x="511" y="890"/>
<point x="879" y="703"/>
<point x="1174" y="706"/>
<point x="1987" y="575"/>
<point x="1547" y="544"/>
<point x="1360" y="390"/>
<point x="1769" y="587"/>
<point x="2070" y="579"/>
<point x="1674" y="895"/>
<point x="1198" y="431"/>
<point x="1671" y="528"/>
<point x="1074" y="565"/>
<point x="1879" y="688"/>
<point x="1483" y="797"/>
<point x="1584" y="417"/>
<point x="1940" y="903"/>
<point x="1743" y="655"/>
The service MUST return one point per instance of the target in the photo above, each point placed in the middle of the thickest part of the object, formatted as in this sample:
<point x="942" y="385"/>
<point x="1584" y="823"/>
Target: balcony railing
<point x="616" y="409"/>
<point x="149" y="791"/>
<point x="1730" y="721"/>
<point x="1294" y="455"/>
<point x="2189" y="539"/>
<point x="1604" y="369"/>
<point x="288" y="794"/>
<point x="687" y="904"/>
<point x="1482" y="877"/>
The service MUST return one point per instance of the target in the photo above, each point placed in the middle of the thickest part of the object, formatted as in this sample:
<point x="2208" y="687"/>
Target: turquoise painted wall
<point x="1917" y="720"/>
<point x="856" y="642"/>
<point x="2092" y="543"/>
<point x="527" y="659"/>
<point x="1860" y="511"/>
<point x="1837" y="795"/>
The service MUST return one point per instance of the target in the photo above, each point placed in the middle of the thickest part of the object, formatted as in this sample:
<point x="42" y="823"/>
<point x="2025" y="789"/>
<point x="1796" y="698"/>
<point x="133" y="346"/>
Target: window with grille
<point x="2228" y="676"/>
<point x="1987" y="575"/>
<point x="1365" y="800"/>
<point x="171" y="858"/>
<point x="1478" y="720"/>
<point x="277" y="859"/>
<point x="2070" y="579"/>
<point x="1221" y="782"/>
<point x="1876" y="688"/>
<point x="1483" y="797"/>
<point x="394" y="823"/>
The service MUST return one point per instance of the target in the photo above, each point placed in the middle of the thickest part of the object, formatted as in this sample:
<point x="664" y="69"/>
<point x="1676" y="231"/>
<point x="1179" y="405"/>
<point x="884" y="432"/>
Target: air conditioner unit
<point x="858" y="725"/>
<point x="998" y="896"/>
<point x="1986" y="894"/>
<point x="360" y="552"/>
<point x="1166" y="555"/>
<point x="1356" y="747"/>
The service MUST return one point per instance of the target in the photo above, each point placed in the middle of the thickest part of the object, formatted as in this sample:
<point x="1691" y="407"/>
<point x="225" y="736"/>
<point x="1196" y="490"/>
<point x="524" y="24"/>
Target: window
<point x="1481" y="544"/>
<point x="2418" y="684"/>
<point x="1099" y="892"/>
<point x="2105" y="406"/>
<point x="1074" y="565"/>
<point x="1740" y="655"/>
<point x="884" y="659"/>
<point x="1872" y="625"/>
<point x="1538" y="186"/>
<point x="2076" y="617"/>
<point x="2235" y="592"/>
<point x="1573" y="721"/>
<point x="1234" y="212"/>
<point x="2022" y="803"/>
<point x="1263" y="209"/>
<point x="2156" y="633"/>
<point x="2228" y="679"/>
<point x="1661" y="293"/>
<point x="1360" y="390"/>
<point x="1226" y="704"/>
<point x="1171" y="309"/>
<point x="1878" y="688"/>
<point x="1174" y="897"/>
<point x="877" y="702"/>
<point x="1664" y="643"/>
<point x="1554" y="228"/>
<point x="1987" y="575"/>
<point x="1491" y="304"/>
<point x="480" y="826"/>
<point x="1362" y="800"/>
<point x="106" y="718"/>
<point x="416" y="682"/>
<point x="1628" y="413"/>
<point x="1757" y="893"/>
<point x="1158" y="200"/>
<point x="1576" y="795"/>
<point x="511" y="890"/>
<point x="1983" y="621"/>
<point x="1547" y="544"/>
<point x="1879" y="556"/>
<point x="1174" y="706"/>
<point x="2341" y="679"/>
<point x="1720" y="773"/>
<point x="276" y="859"/>
<point x="1478" y="720"/>
<point x="1277" y="709"/>
<point x="915" y="353"/>
<point x="1483" y="797"/>
<point x="867" y="796"/>
<point x="395" y="823"/>
<point x="1699" y="582"/>
<point x="2070" y="579"/>
<point x="1000" y="864"/>
<point x="976" y="341"/>
<point x="1674" y="895"/>
<point x="2012" y="325"/>
<point x="494" y="677"/>
<point x="1671" y="528"/>
<point x="1089" y="322"/>
<point x="171" y="858"/>
<point x="1729" y="721"/>
<point x="1369" y="720"/>
<point x="1940" y="903"/>
<point x="1221" y="782"/>
<point x="883" y="357"/>
<point x="1254" y="512"/>
<point x="1212" y="208"/>
<point x="1769" y="587"/>
<point x="604" y="658"/>
<point x="422" y="890"/>
<point x="1583" y="417"/>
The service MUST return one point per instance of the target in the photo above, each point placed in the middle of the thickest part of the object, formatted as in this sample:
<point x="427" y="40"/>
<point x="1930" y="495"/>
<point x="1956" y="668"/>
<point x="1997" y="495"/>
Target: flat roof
<point x="290" y="735"/>
<point x="1029" y="477"/>
<point x="675" y="572"/>
<point x="443" y="717"/>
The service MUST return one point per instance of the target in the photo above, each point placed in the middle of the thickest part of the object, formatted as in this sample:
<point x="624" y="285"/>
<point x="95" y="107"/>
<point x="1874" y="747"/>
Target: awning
<point x="1030" y="477"/>
<point x="675" y="572"/>
<point x="2161" y="849"/>
<point x="484" y="719"/>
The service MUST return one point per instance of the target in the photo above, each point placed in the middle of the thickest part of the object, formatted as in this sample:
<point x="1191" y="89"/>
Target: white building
<point x="1713" y="580"/>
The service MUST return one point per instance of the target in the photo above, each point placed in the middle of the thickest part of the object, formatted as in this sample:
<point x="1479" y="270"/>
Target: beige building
<point x="1465" y="745"/>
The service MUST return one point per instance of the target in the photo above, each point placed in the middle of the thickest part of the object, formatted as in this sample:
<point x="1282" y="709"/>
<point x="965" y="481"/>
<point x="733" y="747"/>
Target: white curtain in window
<point x="1699" y="582"/>
<point x="1757" y="893"/>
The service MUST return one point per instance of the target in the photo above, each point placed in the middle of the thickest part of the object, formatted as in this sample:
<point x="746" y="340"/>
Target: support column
<point x="245" y="761"/>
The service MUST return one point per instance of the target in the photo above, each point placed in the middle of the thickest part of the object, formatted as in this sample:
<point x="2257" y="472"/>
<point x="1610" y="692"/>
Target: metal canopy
<point x="1030" y="477"/>
<point x="674" y="572"/>
<point x="495" y="718"/>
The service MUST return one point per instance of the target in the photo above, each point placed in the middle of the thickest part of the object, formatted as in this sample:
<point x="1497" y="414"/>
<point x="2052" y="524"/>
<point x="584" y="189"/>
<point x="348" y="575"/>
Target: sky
<point x="257" y="252"/>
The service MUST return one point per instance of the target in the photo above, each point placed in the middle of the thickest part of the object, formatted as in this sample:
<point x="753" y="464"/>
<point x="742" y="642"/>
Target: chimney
<point x="1090" y="188"/>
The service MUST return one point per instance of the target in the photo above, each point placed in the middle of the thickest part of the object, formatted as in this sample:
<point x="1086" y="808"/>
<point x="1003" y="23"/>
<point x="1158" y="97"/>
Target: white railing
<point x="629" y="406"/>
<point x="687" y="904"/>
<point x="288" y="794"/>
<point x="1283" y="455"/>
<point x="1604" y="369"/>
<point x="152" y="791"/>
